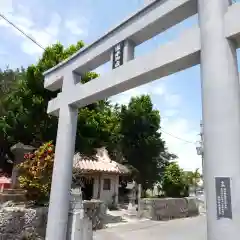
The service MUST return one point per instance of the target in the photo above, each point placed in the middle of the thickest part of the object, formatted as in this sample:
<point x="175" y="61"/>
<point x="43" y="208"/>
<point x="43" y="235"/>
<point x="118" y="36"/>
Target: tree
<point x="166" y="159"/>
<point x="97" y="127"/>
<point x="141" y="142"/>
<point x="8" y="79"/>
<point x="130" y="133"/>
<point x="26" y="119"/>
<point x="193" y="178"/>
<point x="173" y="183"/>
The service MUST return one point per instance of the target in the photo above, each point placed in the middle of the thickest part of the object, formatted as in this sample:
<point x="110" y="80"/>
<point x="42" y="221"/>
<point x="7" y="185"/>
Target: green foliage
<point x="174" y="184"/>
<point x="193" y="178"/>
<point x="130" y="133"/>
<point x="97" y="127"/>
<point x="26" y="119"/>
<point x="35" y="173"/>
<point x="141" y="141"/>
<point x="8" y="80"/>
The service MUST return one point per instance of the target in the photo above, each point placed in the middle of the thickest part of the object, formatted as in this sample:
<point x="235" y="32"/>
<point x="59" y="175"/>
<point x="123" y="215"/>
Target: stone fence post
<point x="79" y="226"/>
<point x="139" y="192"/>
<point x="139" y="200"/>
<point x="132" y="199"/>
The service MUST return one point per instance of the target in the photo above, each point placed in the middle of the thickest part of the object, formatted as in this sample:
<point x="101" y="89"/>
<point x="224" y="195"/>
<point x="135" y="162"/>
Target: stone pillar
<point x="128" y="51"/>
<point x="116" y="190"/>
<point x="62" y="174"/>
<point x="221" y="120"/>
<point x="79" y="227"/>
<point x="18" y="151"/>
<point x="139" y="196"/>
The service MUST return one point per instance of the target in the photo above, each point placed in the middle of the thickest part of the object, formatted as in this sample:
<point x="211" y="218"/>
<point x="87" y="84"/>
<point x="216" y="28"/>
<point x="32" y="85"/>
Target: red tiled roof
<point x="99" y="163"/>
<point x="5" y="180"/>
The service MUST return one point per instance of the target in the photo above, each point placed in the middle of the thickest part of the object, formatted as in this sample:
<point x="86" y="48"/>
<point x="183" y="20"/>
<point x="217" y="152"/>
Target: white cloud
<point x="54" y="25"/>
<point x="171" y="112"/>
<point x="173" y="100"/>
<point x="160" y="89"/>
<point x="124" y="98"/>
<point x="151" y="89"/>
<point x="6" y="6"/>
<point x="45" y="35"/>
<point x="74" y="26"/>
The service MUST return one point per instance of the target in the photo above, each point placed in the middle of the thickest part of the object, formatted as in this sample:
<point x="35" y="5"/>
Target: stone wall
<point x="17" y="222"/>
<point x="167" y="208"/>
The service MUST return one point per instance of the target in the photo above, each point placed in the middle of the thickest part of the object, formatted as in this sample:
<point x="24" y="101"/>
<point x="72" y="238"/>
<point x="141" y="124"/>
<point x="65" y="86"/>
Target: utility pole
<point x="201" y="143"/>
<point x="199" y="148"/>
<point x="200" y="151"/>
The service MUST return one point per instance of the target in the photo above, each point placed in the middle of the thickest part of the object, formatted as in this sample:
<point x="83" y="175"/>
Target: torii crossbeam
<point x="212" y="43"/>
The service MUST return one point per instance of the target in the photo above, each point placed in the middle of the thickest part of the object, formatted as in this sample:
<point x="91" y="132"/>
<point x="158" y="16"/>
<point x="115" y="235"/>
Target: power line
<point x="21" y="31"/>
<point x="181" y="139"/>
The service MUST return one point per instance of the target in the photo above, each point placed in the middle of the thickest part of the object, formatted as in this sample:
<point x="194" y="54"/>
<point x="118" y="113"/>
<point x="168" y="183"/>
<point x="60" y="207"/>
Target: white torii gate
<point x="213" y="44"/>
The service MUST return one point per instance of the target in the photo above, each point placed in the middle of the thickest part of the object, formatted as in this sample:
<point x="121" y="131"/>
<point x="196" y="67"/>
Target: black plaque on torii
<point x="223" y="197"/>
<point x="118" y="55"/>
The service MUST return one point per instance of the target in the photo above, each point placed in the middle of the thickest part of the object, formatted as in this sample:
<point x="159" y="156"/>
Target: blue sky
<point x="178" y="97"/>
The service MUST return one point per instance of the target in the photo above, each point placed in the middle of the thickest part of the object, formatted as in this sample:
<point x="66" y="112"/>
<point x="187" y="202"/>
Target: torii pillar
<point x="221" y="121"/>
<point x="63" y="164"/>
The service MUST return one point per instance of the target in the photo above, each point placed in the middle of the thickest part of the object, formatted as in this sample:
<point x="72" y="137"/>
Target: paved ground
<point x="181" y="229"/>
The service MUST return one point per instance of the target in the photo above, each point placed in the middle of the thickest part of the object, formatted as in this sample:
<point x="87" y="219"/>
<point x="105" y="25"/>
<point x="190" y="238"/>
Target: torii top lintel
<point x="167" y="59"/>
<point x="146" y="23"/>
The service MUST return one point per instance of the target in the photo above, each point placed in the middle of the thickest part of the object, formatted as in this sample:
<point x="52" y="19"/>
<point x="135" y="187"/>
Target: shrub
<point x="35" y="173"/>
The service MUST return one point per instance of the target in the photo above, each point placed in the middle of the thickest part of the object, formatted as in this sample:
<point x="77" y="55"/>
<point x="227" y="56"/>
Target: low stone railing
<point x="167" y="208"/>
<point x="14" y="195"/>
<point x="95" y="210"/>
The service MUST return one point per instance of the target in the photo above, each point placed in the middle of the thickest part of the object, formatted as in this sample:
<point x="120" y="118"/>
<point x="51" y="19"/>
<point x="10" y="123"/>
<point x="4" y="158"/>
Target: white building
<point x="98" y="176"/>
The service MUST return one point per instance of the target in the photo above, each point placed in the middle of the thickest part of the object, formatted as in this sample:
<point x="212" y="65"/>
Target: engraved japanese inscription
<point x="118" y="55"/>
<point x="223" y="197"/>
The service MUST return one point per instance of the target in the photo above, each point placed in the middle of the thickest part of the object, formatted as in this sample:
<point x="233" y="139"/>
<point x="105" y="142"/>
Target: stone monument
<point x="18" y="151"/>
